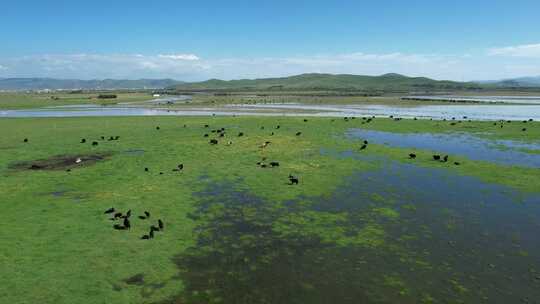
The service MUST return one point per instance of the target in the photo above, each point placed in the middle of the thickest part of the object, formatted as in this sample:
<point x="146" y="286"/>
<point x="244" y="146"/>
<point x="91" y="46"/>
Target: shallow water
<point x="475" y="112"/>
<point x="487" y="99"/>
<point x="430" y="243"/>
<point x="504" y="152"/>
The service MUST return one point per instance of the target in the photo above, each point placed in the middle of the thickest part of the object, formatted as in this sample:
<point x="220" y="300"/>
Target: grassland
<point x="13" y="101"/>
<point x="59" y="247"/>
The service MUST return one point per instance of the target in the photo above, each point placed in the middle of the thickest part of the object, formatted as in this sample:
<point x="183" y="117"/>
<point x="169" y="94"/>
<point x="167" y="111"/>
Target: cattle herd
<point x="124" y="222"/>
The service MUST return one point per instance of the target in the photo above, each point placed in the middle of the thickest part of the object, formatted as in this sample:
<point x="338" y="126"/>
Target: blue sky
<point x="460" y="40"/>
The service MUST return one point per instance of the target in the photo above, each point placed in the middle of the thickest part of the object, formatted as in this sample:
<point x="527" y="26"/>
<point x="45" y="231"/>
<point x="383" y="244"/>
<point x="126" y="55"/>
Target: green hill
<point x="321" y="82"/>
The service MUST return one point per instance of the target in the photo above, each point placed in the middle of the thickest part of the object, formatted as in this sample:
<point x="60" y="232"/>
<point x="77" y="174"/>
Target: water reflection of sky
<point x="475" y="112"/>
<point x="504" y="152"/>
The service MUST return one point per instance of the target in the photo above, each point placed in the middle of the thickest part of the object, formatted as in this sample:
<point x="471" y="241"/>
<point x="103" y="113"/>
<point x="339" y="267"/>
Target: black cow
<point x="119" y="227"/>
<point x="127" y="224"/>
<point x="95" y="143"/>
<point x="160" y="224"/>
<point x="240" y="134"/>
<point x="25" y="140"/>
<point x="445" y="158"/>
<point x="213" y="141"/>
<point x="274" y="164"/>
<point x="298" y="133"/>
<point x="436" y="157"/>
<point x="110" y="210"/>
<point x="83" y="141"/>
<point x="363" y="147"/>
<point x="412" y="156"/>
<point x="293" y="180"/>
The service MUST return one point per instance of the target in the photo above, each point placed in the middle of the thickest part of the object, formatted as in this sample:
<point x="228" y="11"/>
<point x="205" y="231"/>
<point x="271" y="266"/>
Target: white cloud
<point x="525" y="51"/>
<point x="180" y="56"/>
<point x="190" y="67"/>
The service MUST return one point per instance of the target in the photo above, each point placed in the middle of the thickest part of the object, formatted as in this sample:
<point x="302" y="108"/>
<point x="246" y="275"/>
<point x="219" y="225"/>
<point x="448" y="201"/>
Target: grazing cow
<point x="154" y="228"/>
<point x="160" y="173"/>
<point x="160" y="224"/>
<point x="110" y="210"/>
<point x="118" y="214"/>
<point x="229" y="143"/>
<point x="128" y="214"/>
<point x="412" y="156"/>
<point x="127" y="224"/>
<point x="157" y="128"/>
<point x="262" y="128"/>
<point x="221" y="134"/>
<point x="272" y="134"/>
<point x="146" y="169"/>
<point x="111" y="138"/>
<point x="119" y="227"/>
<point x="213" y="141"/>
<point x="240" y="134"/>
<point x="116" y="137"/>
<point x="436" y="157"/>
<point x="363" y="147"/>
<point x="293" y="180"/>
<point x="142" y="217"/>
<point x="25" y="140"/>
<point x="151" y="234"/>
<point x="205" y="135"/>
<point x="274" y="164"/>
<point x="298" y="133"/>
<point x="456" y="163"/>
<point x="102" y="137"/>
<point x="181" y="166"/>
<point x="83" y="140"/>
<point x="278" y="126"/>
<point x="305" y="120"/>
<point x="524" y="129"/>
<point x="145" y="237"/>
<point x="445" y="158"/>
<point x="95" y="143"/>
<point x="147" y="213"/>
<point x="206" y="126"/>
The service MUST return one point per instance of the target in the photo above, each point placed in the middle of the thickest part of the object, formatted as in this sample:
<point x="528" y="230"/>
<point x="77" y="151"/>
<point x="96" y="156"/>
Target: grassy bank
<point x="59" y="247"/>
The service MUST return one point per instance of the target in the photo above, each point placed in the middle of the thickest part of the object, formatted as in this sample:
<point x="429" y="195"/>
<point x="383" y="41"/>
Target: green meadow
<point x="16" y="101"/>
<point x="228" y="221"/>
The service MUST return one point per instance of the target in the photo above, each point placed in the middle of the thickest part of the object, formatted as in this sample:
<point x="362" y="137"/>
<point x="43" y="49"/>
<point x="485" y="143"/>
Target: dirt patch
<point x="61" y="162"/>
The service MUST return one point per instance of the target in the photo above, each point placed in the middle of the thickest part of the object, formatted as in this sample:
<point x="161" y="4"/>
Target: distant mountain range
<point x="320" y="82"/>
<point x="303" y="82"/>
<point x="76" y="84"/>
<point x="515" y="82"/>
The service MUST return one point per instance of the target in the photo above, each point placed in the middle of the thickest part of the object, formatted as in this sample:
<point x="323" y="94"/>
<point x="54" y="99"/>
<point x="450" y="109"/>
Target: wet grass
<point x="219" y="241"/>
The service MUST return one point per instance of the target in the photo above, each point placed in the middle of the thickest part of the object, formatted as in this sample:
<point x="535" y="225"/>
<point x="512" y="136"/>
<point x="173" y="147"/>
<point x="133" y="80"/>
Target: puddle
<point x="401" y="234"/>
<point x="60" y="162"/>
<point x="505" y="152"/>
